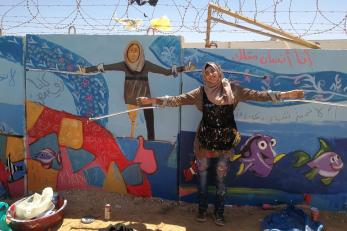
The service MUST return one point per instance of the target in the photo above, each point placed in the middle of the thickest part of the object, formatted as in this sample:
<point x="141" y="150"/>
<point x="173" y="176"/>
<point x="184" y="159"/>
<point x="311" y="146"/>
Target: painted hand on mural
<point x="189" y="67"/>
<point x="81" y="70"/>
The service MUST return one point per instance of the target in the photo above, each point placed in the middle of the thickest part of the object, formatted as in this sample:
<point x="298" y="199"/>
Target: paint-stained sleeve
<point x="193" y="97"/>
<point x="244" y="94"/>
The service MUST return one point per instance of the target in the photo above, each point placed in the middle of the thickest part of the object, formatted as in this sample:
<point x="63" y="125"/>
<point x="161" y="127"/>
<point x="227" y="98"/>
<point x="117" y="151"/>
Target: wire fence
<point x="309" y="19"/>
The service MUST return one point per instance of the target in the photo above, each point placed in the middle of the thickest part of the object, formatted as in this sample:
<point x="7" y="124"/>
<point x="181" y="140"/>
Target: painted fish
<point x="324" y="163"/>
<point x="257" y="155"/>
<point x="16" y="169"/>
<point x="46" y="156"/>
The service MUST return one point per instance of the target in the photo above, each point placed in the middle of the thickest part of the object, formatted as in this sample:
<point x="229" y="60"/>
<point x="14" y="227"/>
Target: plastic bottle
<point x="107" y="212"/>
<point x="314" y="214"/>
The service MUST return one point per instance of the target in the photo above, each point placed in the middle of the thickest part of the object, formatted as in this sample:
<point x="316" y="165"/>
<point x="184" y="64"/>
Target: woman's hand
<point x="294" y="94"/>
<point x="189" y="67"/>
<point x="145" y="101"/>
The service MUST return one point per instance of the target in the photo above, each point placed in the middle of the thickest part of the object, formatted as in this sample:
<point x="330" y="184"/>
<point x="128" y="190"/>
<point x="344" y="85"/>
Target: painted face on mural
<point x="211" y="74"/>
<point x="133" y="53"/>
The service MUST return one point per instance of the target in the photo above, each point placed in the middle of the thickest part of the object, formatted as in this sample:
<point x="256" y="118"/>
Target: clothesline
<point x="284" y="101"/>
<point x="122" y="112"/>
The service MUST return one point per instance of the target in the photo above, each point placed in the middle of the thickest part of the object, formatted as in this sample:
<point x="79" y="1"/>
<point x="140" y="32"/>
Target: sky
<point x="309" y="19"/>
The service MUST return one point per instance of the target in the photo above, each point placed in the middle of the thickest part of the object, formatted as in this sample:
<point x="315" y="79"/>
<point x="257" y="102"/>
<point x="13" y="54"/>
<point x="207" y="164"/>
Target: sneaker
<point x="119" y="227"/>
<point x="201" y="217"/>
<point x="219" y="219"/>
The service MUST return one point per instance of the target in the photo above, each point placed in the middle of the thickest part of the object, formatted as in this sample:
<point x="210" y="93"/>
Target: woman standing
<point x="217" y="133"/>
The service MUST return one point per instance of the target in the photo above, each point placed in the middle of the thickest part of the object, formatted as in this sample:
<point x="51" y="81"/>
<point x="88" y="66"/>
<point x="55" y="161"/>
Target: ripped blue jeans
<point x="221" y="167"/>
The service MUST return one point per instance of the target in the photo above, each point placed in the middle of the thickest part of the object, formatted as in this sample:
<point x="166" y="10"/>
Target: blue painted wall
<point x="301" y="130"/>
<point x="298" y="128"/>
<point x="12" y="89"/>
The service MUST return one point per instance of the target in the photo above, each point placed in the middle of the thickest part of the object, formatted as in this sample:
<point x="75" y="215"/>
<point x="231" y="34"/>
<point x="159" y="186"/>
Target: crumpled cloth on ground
<point x="290" y="219"/>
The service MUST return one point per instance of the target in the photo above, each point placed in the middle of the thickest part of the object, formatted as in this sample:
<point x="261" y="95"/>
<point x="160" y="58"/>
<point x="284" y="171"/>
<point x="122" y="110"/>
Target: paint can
<point x="107" y="212"/>
<point x="314" y="214"/>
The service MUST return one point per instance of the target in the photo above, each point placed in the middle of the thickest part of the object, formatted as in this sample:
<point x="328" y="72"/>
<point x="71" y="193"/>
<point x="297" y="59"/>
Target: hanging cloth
<point x="142" y="2"/>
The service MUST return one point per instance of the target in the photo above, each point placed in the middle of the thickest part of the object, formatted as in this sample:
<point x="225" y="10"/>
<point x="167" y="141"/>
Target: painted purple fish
<point x="257" y="155"/>
<point x="46" y="156"/>
<point x="324" y="163"/>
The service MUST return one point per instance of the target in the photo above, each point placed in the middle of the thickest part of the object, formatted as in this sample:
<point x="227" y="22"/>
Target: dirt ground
<point x="157" y="214"/>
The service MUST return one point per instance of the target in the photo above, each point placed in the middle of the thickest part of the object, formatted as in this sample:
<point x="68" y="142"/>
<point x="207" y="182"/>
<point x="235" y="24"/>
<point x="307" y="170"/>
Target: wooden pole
<point x="283" y="35"/>
<point x="208" y="27"/>
<point x="250" y="29"/>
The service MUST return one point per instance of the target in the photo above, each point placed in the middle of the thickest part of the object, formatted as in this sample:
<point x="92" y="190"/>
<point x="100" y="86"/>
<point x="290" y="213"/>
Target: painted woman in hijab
<point x="136" y="69"/>
<point x="217" y="134"/>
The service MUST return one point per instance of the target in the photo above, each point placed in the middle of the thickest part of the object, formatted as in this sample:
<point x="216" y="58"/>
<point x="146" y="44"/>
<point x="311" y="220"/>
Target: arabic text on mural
<point x="288" y="57"/>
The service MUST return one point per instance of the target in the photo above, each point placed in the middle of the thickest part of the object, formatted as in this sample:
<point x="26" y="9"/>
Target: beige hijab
<point x="140" y="62"/>
<point x="219" y="93"/>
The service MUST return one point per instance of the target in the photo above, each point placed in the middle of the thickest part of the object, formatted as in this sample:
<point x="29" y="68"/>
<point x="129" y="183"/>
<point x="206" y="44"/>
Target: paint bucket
<point x="314" y="214"/>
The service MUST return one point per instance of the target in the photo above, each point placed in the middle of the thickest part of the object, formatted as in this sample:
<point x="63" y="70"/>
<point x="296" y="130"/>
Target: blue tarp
<point x="290" y="219"/>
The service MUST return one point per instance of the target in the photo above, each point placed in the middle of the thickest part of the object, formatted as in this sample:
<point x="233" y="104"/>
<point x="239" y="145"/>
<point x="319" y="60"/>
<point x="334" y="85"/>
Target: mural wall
<point x="292" y="151"/>
<point x="62" y="120"/>
<point x="12" y="117"/>
<point x="71" y="82"/>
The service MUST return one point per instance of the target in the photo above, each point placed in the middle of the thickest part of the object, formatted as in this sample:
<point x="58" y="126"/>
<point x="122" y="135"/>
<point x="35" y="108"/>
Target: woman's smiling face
<point x="211" y="75"/>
